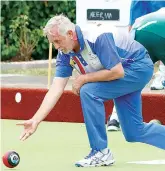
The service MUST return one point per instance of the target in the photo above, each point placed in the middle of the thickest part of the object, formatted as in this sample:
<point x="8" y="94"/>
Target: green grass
<point x="56" y="146"/>
<point x="29" y="71"/>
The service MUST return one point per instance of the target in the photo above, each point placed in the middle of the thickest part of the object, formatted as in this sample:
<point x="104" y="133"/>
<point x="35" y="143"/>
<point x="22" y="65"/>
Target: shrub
<point x="38" y="13"/>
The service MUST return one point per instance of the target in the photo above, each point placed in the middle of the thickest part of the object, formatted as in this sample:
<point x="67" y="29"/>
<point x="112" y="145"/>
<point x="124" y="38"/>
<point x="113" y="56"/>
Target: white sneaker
<point x="97" y="158"/>
<point x="158" y="82"/>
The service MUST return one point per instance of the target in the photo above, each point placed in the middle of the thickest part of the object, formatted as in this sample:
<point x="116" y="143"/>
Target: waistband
<point x="132" y="59"/>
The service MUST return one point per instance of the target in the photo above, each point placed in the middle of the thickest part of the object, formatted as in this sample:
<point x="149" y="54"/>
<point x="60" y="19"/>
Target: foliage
<point x="14" y="43"/>
<point x="27" y="39"/>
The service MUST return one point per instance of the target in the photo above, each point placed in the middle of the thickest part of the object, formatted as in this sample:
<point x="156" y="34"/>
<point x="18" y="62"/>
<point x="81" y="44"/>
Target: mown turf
<point x="56" y="146"/>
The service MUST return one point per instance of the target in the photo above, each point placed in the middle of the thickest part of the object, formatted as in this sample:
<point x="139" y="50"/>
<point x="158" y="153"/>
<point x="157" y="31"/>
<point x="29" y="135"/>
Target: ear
<point x="70" y="34"/>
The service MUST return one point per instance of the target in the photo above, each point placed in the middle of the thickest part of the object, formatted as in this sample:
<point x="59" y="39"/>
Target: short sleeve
<point x="63" y="67"/>
<point x="106" y="50"/>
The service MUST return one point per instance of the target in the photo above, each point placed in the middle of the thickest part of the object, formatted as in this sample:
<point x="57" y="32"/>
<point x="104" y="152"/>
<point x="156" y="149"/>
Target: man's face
<point x="64" y="43"/>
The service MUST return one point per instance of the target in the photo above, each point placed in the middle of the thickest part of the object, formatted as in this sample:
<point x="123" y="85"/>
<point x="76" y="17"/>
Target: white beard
<point x="66" y="52"/>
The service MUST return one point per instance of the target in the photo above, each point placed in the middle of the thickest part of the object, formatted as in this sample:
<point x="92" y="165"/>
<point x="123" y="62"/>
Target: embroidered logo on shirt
<point x="79" y="64"/>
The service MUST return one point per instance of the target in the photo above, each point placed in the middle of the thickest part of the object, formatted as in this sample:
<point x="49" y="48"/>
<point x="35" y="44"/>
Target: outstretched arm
<point x="48" y="103"/>
<point x="51" y="98"/>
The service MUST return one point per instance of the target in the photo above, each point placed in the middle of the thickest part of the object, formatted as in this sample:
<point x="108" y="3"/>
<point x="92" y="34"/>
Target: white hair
<point x="59" y="22"/>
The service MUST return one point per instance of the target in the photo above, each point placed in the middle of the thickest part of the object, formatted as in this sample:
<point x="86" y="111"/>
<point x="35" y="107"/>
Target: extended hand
<point x="30" y="127"/>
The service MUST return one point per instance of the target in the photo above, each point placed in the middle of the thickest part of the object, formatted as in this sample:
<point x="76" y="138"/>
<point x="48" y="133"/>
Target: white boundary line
<point x="151" y="162"/>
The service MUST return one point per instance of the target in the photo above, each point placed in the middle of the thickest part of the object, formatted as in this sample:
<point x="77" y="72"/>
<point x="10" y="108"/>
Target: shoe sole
<point x="107" y="163"/>
<point x="113" y="128"/>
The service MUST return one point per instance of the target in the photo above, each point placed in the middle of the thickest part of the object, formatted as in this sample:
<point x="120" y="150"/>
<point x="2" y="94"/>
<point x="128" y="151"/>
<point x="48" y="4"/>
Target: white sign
<point x="116" y="12"/>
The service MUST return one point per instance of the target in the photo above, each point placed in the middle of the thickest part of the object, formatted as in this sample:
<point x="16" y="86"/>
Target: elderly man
<point x="112" y="66"/>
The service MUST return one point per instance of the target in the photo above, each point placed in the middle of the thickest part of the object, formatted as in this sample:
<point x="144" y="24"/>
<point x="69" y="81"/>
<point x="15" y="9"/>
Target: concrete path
<point x="22" y="81"/>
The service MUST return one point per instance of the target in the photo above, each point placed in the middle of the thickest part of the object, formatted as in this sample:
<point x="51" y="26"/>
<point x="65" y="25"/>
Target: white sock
<point x="114" y="115"/>
<point x="105" y="150"/>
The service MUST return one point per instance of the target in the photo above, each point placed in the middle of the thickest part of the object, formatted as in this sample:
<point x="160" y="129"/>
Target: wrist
<point x="37" y="121"/>
<point x="85" y="79"/>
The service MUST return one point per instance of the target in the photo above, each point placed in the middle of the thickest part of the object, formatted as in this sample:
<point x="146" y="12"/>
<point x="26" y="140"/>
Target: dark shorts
<point x="153" y="43"/>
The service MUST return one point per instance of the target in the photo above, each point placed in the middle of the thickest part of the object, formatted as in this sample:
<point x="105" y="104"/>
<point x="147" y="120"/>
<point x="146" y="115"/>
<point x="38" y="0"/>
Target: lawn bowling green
<point x="61" y="140"/>
<point x="57" y="145"/>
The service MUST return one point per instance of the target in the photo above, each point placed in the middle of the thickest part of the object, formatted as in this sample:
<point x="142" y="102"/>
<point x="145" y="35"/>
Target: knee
<point x="83" y="90"/>
<point x="87" y="89"/>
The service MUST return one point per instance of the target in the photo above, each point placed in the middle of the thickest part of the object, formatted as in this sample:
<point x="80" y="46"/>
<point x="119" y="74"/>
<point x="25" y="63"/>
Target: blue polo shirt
<point x="140" y="8"/>
<point x="110" y="46"/>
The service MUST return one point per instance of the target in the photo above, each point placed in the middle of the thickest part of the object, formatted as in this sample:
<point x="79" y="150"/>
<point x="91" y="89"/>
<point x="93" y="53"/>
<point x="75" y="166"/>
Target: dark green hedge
<point x="38" y="13"/>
